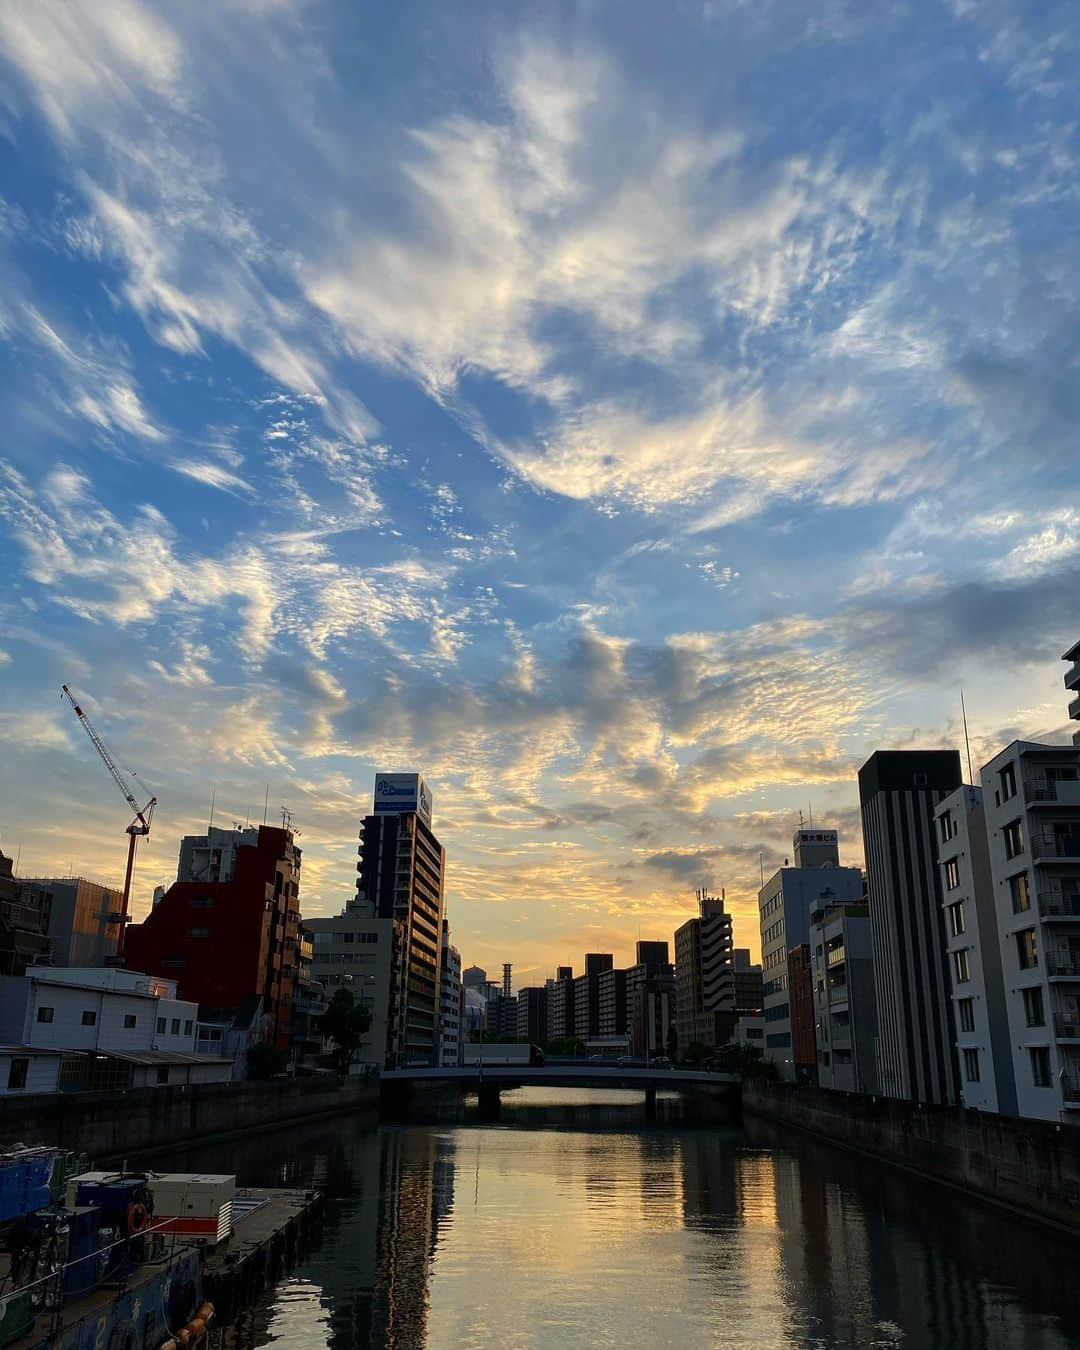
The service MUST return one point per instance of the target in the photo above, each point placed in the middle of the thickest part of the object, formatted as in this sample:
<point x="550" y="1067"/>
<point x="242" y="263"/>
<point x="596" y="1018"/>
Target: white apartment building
<point x="1031" y="798"/>
<point x="70" y="1028"/>
<point x="973" y="953"/>
<point x="354" y="951"/>
<point x="785" y="904"/>
<point x="450" y="1003"/>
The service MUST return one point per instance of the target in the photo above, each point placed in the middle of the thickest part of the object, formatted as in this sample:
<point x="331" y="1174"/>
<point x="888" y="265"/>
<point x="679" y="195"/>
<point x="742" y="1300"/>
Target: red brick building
<point x="801" y="998"/>
<point x="229" y="927"/>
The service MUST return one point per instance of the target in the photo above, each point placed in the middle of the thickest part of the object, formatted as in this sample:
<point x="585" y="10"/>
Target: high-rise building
<point x="451" y="1004"/>
<point x="228" y="929"/>
<point x="507" y="983"/>
<point x="845" y="1014"/>
<point x="1072" y="683"/>
<point x="973" y="951"/>
<point x="474" y="977"/>
<point x="785" y="904"/>
<point x="23" y="925"/>
<point x="1031" y="799"/>
<point x="704" y="975"/>
<point x="899" y="790"/>
<point x="650" y="1000"/>
<point x="401" y="877"/>
<point x="801" y="1002"/>
<point x="532" y="1014"/>
<point x="354" y="951"/>
<point x="613" y="1008"/>
<point x="561" y="1021"/>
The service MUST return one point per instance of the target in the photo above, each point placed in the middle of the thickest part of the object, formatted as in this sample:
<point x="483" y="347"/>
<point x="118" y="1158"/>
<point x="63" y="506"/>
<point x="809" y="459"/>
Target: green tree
<point x="696" y="1053"/>
<point x="344" y="1022"/>
<point x="264" y="1060"/>
<point x="746" y="1060"/>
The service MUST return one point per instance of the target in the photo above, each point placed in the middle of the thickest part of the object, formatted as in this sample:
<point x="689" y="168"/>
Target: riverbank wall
<point x="1030" y="1167"/>
<point x="111" y="1126"/>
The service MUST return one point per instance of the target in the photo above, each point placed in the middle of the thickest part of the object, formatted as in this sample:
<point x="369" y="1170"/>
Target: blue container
<point x="84" y="1244"/>
<point x="112" y="1198"/>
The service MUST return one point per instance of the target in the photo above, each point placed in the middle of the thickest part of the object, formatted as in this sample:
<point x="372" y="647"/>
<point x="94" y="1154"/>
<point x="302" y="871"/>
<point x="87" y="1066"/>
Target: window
<point x="130" y="1021"/>
<point x="1007" y="782"/>
<point x="1020" y="891"/>
<point x="161" y="1026"/>
<point x="948" y="826"/>
<point x="89" y="1018"/>
<point x="956" y="918"/>
<point x="163" y="1075"/>
<point x="952" y="874"/>
<point x="174" y="1030"/>
<point x="1027" y="953"/>
<point x="961" y="968"/>
<point x="44" y="1014"/>
<point x="1013" y="834"/>
<point x="965" y="1012"/>
<point x="20" y="1067"/>
<point x="971" y="1065"/>
<point x="1040" y="1065"/>
<point x="187" y="1028"/>
<point x="1034" y="1013"/>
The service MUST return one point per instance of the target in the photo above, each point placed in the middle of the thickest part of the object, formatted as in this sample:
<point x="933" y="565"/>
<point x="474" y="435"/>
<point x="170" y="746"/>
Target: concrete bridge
<point x="487" y="1081"/>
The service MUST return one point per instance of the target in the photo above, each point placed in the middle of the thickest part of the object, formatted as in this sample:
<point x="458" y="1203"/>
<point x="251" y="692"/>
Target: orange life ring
<point x="137" y="1216"/>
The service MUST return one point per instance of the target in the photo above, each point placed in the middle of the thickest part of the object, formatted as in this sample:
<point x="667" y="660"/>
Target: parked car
<point x="660" y="1062"/>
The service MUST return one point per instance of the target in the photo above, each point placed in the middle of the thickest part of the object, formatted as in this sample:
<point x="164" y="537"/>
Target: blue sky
<point x="630" y="421"/>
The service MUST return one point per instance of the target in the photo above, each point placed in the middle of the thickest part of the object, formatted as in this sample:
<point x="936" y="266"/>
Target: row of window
<point x="174" y="1029"/>
<point x="1038" y="1058"/>
<point x="344" y="939"/>
<point x="89" y="1017"/>
<point x="1027" y="954"/>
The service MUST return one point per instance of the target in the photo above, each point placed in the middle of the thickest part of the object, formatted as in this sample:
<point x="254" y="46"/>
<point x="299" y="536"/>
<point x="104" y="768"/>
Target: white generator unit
<point x="196" y="1206"/>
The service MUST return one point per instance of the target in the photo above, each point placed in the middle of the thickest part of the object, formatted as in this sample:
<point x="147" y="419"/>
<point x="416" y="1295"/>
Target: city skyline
<point x="629" y="437"/>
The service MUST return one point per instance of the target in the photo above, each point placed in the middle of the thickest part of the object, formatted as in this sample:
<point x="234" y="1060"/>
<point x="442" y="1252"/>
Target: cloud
<point x="213" y="475"/>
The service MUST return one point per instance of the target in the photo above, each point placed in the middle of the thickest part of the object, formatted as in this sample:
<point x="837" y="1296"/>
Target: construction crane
<point x="140" y="826"/>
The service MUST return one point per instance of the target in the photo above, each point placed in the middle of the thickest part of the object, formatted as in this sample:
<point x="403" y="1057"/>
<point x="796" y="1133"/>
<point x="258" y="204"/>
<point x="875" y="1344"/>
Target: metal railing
<point x="1056" y="846"/>
<point x="1061" y="964"/>
<point x="1066" y="1028"/>
<point x="1057" y="905"/>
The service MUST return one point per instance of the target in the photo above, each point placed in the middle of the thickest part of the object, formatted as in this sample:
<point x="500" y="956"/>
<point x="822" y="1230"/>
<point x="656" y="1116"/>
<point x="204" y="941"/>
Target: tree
<point x="344" y="1022"/>
<point x="747" y="1061"/>
<point x="696" y="1053"/>
<point x="264" y="1060"/>
<point x="672" y="1042"/>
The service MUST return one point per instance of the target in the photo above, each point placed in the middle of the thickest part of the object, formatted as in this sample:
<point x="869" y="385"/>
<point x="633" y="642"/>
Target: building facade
<point x="355" y="951"/>
<point x="785" y="904"/>
<point x="233" y="933"/>
<point x="704" y="974"/>
<point x="70" y="1029"/>
<point x="1031" y="800"/>
<point x="650" y="1000"/>
<point x="401" y="878"/>
<point x="561" y="1020"/>
<point x="532" y="1014"/>
<point x="452" y="1003"/>
<point x="899" y="791"/>
<point x="82" y="919"/>
<point x="1072" y="684"/>
<point x="801" y="1002"/>
<point x="973" y="949"/>
<point x="613" y="1006"/>
<point x="845" y="1014"/>
<point x="748" y="982"/>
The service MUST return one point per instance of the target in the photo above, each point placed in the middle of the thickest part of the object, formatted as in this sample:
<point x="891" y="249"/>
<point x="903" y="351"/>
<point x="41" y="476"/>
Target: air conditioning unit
<point x="196" y="1206"/>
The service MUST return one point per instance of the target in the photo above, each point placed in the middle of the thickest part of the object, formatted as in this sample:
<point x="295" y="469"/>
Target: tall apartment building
<point x="227" y="929"/>
<point x="354" y="950"/>
<point x="785" y="904"/>
<point x="451" y="1003"/>
<point x="650" y="999"/>
<point x="1072" y="683"/>
<point x="532" y="1014"/>
<point x="704" y="974"/>
<point x="1031" y="799"/>
<point x="401" y="877"/>
<point x="613" y="1007"/>
<point x="845" y="1014"/>
<point x="973" y="949"/>
<point x="587" y="994"/>
<point x="561" y="1007"/>
<point x="899" y="790"/>
<point x="801" y="1003"/>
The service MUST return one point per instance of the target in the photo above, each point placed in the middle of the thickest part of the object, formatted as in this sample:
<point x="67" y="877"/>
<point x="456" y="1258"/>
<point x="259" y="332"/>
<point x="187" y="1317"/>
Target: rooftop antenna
<point x="800" y="818"/>
<point x="213" y="799"/>
<point x="266" y="803"/>
<point x="761" y="868"/>
<point x="810" y="808"/>
<point x="967" y="742"/>
<point x="18" y="855"/>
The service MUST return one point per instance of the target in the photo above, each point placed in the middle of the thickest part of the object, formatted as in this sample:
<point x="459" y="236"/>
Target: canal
<point x="571" y="1223"/>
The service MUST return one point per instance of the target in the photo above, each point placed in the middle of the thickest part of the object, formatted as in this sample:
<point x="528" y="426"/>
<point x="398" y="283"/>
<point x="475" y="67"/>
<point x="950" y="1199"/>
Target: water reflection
<point x="519" y="1236"/>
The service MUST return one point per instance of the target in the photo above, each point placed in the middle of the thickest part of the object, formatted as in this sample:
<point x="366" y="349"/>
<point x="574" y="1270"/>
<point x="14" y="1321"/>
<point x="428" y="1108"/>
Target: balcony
<point x="1055" y="905"/>
<point x="1072" y="676"/>
<point x="1070" y="1090"/>
<point x="1074" y="708"/>
<point x="838" y="993"/>
<point x="1063" y="965"/>
<point x="1059" y="792"/>
<point x="835" y="956"/>
<point x="1056" y="847"/>
<point x="1066" y="1028"/>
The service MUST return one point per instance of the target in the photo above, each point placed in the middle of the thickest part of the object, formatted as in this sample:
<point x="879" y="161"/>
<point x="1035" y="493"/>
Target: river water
<point x="572" y="1223"/>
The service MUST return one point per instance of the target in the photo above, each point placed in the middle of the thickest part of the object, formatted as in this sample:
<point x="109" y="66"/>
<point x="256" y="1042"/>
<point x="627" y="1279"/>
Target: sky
<point x="630" y="417"/>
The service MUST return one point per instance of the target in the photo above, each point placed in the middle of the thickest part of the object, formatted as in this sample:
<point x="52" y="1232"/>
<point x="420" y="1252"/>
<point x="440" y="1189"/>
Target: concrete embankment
<point x="1029" y="1167"/>
<point x="111" y="1126"/>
